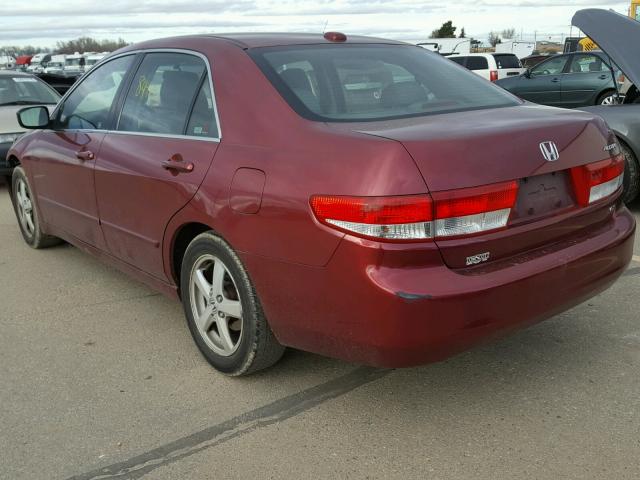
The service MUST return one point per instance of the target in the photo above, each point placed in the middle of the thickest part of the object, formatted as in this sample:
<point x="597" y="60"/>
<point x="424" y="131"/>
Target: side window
<point x="162" y="93"/>
<point x="554" y="66"/>
<point x="587" y="63"/>
<point x="477" y="63"/>
<point x="88" y="106"/>
<point x="202" y="122"/>
<point x="458" y="60"/>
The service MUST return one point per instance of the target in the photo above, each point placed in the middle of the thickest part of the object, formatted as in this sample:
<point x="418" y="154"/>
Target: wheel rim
<point x="25" y="207"/>
<point x="610" y="100"/>
<point x="216" y="305"/>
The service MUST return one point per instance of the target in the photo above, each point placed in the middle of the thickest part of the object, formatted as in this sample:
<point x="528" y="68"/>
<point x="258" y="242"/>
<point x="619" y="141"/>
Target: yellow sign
<point x="587" y="45"/>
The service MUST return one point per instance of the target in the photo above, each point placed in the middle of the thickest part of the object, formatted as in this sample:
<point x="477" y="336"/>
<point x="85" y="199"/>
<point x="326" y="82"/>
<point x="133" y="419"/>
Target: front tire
<point x="26" y="212"/>
<point x="223" y="310"/>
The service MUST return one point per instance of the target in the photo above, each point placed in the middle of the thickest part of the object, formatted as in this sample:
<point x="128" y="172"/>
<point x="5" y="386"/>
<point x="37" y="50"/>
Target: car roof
<point x="256" y="40"/>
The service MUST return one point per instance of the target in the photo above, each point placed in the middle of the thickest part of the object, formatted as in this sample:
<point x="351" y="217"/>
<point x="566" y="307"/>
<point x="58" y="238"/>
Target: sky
<point x="43" y="22"/>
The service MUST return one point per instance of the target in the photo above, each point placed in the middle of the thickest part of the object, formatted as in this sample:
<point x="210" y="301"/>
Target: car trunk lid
<point x="485" y="147"/>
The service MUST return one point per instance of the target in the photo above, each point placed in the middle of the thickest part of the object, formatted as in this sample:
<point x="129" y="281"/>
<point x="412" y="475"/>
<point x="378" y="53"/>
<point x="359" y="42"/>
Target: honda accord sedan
<point x="354" y="197"/>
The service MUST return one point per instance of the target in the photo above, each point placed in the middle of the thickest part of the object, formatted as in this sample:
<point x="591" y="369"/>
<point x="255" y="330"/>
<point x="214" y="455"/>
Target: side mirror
<point x="527" y="73"/>
<point x="33" y="118"/>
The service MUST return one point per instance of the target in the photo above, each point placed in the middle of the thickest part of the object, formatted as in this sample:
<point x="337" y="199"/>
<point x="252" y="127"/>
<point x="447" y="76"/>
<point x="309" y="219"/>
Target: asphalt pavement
<point x="99" y="379"/>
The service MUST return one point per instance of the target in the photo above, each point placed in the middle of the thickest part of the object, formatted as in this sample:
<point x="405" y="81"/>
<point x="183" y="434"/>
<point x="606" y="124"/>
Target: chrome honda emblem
<point x="549" y="151"/>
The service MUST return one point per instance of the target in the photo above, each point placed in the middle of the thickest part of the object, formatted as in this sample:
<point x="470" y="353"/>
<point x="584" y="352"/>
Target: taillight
<point x="493" y="75"/>
<point x="598" y="180"/>
<point x="419" y="217"/>
<point x="405" y="217"/>
<point x="474" y="210"/>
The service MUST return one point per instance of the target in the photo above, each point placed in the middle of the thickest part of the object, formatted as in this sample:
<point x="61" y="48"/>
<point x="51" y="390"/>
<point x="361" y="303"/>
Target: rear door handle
<point x="603" y="77"/>
<point x="85" y="155"/>
<point x="177" y="166"/>
<point x="555" y="80"/>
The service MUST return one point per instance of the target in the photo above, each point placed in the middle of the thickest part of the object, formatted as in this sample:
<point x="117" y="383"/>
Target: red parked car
<point x="355" y="197"/>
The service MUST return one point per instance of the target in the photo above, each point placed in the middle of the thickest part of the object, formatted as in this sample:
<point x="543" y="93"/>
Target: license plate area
<point x="543" y="195"/>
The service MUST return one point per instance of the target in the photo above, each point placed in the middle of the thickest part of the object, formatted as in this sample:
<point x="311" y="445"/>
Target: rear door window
<point x="477" y="63"/>
<point x="507" y="60"/>
<point x="162" y="93"/>
<point x="587" y="64"/>
<point x="202" y="122"/>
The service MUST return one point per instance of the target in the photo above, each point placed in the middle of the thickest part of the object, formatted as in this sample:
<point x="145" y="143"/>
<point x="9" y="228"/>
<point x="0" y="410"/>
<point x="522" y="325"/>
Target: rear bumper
<point x="367" y="306"/>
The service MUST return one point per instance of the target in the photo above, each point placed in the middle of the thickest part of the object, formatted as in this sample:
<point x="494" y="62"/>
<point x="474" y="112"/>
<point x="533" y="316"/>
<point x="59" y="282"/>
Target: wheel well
<point x="182" y="240"/>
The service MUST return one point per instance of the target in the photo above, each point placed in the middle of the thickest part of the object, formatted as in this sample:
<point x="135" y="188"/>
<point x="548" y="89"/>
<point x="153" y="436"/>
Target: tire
<point x="27" y="213"/>
<point x="233" y="335"/>
<point x="607" y="98"/>
<point x="631" y="181"/>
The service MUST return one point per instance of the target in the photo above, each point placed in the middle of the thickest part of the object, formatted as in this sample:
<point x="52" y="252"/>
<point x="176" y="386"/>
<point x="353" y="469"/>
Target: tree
<point x="494" y="38"/>
<point x="462" y="33"/>
<point x="88" y="44"/>
<point x="447" y="30"/>
<point x="508" y="33"/>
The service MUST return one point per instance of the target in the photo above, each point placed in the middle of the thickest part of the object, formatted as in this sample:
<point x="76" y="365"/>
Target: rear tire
<point x="607" y="98"/>
<point x="223" y="310"/>
<point x="27" y="213"/>
<point x="631" y="180"/>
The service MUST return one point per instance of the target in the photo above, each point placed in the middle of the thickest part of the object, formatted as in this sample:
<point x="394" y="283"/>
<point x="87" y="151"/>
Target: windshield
<point x="373" y="82"/>
<point x="72" y="62"/>
<point x="23" y="90"/>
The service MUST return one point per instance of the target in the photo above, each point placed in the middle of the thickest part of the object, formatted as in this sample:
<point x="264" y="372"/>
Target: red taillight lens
<point x="418" y="217"/>
<point x="469" y="201"/>
<point x="493" y="75"/>
<point x="373" y="210"/>
<point x="598" y="180"/>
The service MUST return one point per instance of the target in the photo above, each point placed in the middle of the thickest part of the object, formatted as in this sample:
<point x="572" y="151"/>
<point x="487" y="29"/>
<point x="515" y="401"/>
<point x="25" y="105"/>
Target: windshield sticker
<point x="24" y="80"/>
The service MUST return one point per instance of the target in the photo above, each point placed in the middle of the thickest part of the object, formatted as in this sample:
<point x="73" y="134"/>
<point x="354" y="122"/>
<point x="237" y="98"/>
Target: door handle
<point x="177" y="166"/>
<point x="555" y="80"/>
<point x="603" y="77"/>
<point x="85" y="155"/>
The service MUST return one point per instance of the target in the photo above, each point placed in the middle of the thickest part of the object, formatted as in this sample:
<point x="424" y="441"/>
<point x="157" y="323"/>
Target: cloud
<point x="37" y="22"/>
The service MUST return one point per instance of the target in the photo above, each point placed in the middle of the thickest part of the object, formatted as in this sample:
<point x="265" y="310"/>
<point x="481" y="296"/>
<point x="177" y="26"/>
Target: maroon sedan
<point x="355" y="197"/>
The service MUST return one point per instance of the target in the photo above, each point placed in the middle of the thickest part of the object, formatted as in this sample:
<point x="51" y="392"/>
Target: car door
<point x="152" y="164"/>
<point x="64" y="167"/>
<point x="587" y="75"/>
<point x="543" y="83"/>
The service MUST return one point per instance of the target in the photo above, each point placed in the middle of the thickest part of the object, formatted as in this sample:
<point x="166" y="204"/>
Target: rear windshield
<point x="353" y="83"/>
<point x="507" y="60"/>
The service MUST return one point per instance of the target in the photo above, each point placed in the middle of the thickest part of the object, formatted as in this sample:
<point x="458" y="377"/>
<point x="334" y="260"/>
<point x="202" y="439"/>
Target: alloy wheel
<point x="216" y="305"/>
<point x="25" y="207"/>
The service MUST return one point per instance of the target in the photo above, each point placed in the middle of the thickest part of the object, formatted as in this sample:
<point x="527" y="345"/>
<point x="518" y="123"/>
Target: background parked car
<point x="39" y="62"/>
<point x="17" y="90"/>
<point x="491" y="66"/>
<point x="619" y="36"/>
<point x="570" y="80"/>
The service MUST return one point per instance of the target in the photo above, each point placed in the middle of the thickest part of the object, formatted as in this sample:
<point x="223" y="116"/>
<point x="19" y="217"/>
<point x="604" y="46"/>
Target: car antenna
<point x="324" y="29"/>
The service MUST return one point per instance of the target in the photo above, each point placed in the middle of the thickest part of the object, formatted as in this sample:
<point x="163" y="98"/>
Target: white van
<point x="492" y="66"/>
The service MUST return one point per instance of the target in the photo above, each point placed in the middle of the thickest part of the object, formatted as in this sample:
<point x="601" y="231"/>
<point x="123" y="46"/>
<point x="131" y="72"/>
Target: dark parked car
<point x="359" y="198"/>
<point x="619" y="36"/>
<point x="571" y="80"/>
